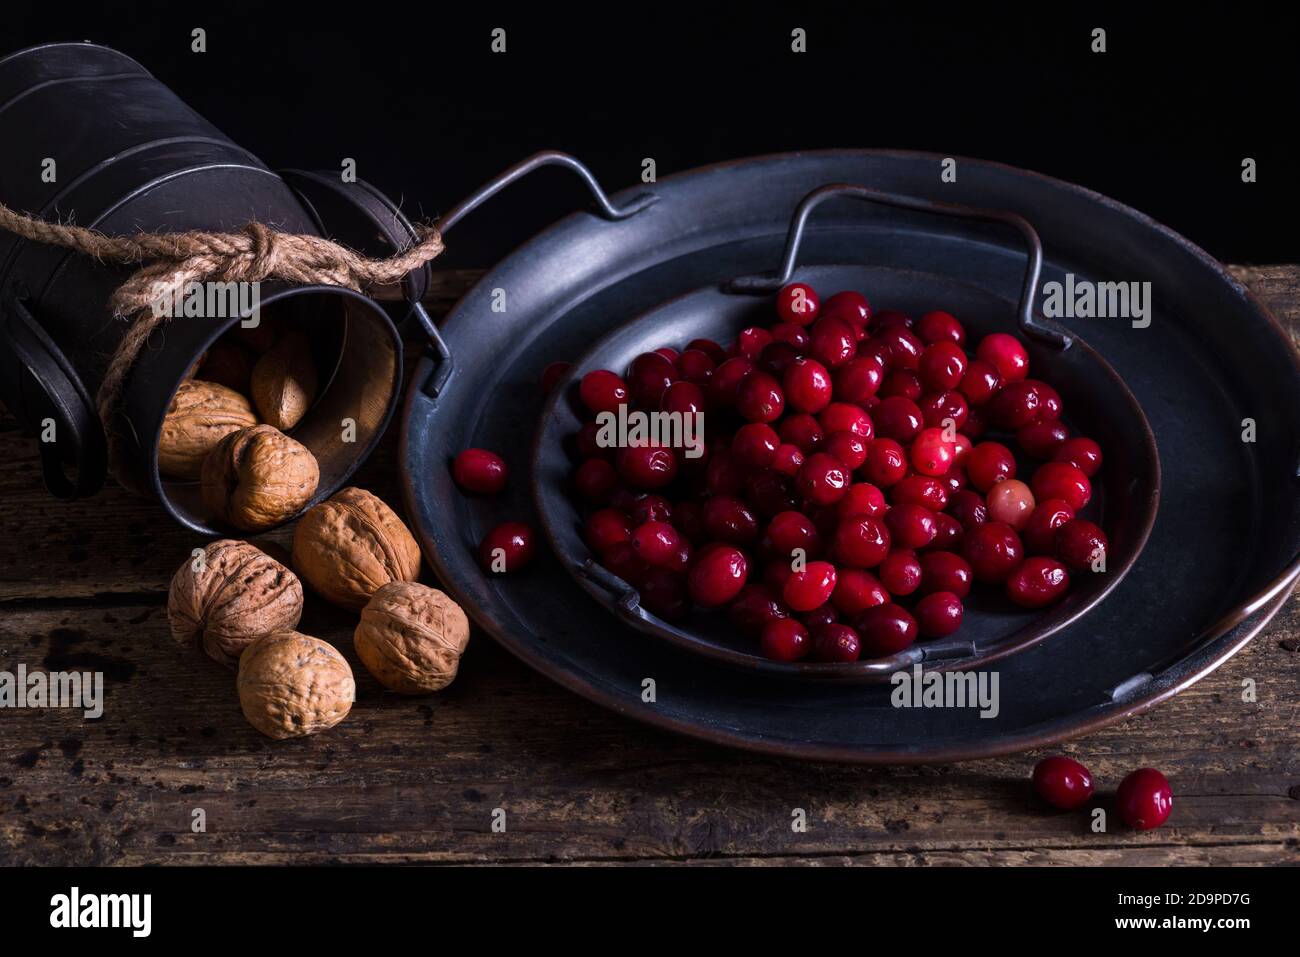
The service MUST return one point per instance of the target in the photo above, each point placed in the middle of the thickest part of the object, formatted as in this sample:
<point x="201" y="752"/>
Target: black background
<point x="1161" y="121"/>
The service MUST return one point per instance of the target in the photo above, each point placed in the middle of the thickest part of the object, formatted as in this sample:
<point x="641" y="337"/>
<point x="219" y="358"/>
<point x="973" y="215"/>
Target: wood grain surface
<point x="83" y="587"/>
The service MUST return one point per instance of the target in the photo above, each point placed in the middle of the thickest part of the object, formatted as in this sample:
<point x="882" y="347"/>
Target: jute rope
<point x="174" y="260"/>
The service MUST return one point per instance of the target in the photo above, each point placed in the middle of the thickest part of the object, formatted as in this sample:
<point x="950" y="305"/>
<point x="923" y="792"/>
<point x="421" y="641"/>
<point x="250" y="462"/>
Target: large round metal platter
<point x="1219" y="561"/>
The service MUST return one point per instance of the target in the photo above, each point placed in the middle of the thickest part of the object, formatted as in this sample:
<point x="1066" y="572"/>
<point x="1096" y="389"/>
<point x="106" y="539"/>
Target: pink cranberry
<point x="989" y="463"/>
<point x="717" y="576"/>
<point x="797" y="302"/>
<point x="1144" y="799"/>
<point x="857" y="590"/>
<point x="785" y="640"/>
<point x="1079" y="543"/>
<point x="1062" y="782"/>
<point x="885" y="630"/>
<point x="823" y="479"/>
<point x="858" y="380"/>
<point x="507" y="548"/>
<point x="1040" y="531"/>
<point x="1037" y="582"/>
<point x="810" y="588"/>
<point x="595" y="480"/>
<point x="646" y="466"/>
<point x="836" y="643"/>
<point x="900" y="572"/>
<point x="993" y="550"/>
<point x="1080" y="452"/>
<point x="481" y="471"/>
<point x="602" y="391"/>
<point x="939" y="326"/>
<point x="933" y="452"/>
<point x="1012" y="502"/>
<point x="1006" y="354"/>
<point x="862" y="541"/>
<point x="911" y="526"/>
<point x="945" y="571"/>
<point x="1064" y="481"/>
<point x="938" y="614"/>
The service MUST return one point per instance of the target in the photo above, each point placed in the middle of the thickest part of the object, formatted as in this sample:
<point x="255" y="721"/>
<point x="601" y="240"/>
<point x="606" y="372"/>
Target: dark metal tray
<point x="1220" y="559"/>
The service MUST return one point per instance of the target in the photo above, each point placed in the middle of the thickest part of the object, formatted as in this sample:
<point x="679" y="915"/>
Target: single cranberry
<point x="670" y="354"/>
<point x="777" y="357"/>
<point x="904" y="349"/>
<point x="1017" y="405"/>
<point x="1049" y="401"/>
<point x="797" y="302"/>
<point x="788" y="531"/>
<point x="696" y="366"/>
<point x="602" y="391"/>
<point x="1037" y="582"/>
<point x="1039" y="532"/>
<point x="791" y="335"/>
<point x="621" y="559"/>
<point x="857" y="590"/>
<point x="1062" y="782"/>
<point x="760" y="398"/>
<point x="924" y="490"/>
<point x="862" y="498"/>
<point x="945" y="571"/>
<point x="893" y="318"/>
<point x="900" y="572"/>
<point x="663" y="593"/>
<point x="898" y="418"/>
<point x="807" y="385"/>
<point x="728" y="519"/>
<point x="993" y="550"/>
<point x="1062" y="480"/>
<point x="718" y="575"/>
<point x="878" y="351"/>
<point x="845" y="417"/>
<point x="507" y="548"/>
<point x="709" y="348"/>
<point x="911" y="526"/>
<point x="1083" y="453"/>
<point x="836" y="643"/>
<point x="901" y="382"/>
<point x="963" y="446"/>
<point x="939" y="326"/>
<point x="680" y="562"/>
<point x="942" y="366"/>
<point x="823" y="479"/>
<point x="1080" y="543"/>
<point x="885" y="630"/>
<point x="1012" y="502"/>
<point x="656" y="542"/>
<point x="650" y="508"/>
<point x="858" y="380"/>
<point x="481" y="471"/>
<point x="770" y="492"/>
<point x="725" y="383"/>
<point x="938" y="614"/>
<point x="785" y="640"/>
<point x="811" y="587"/>
<point x="646" y="466"/>
<point x="848" y="447"/>
<point x="683" y="397"/>
<point x="595" y="480"/>
<point x="607" y="527"/>
<point x="954" y="480"/>
<point x="933" y="452"/>
<point x="754" y="609"/>
<point x="1144" y="799"/>
<point x="819" y="617"/>
<point x="832" y="342"/>
<point x="968" y="507"/>
<point x="944" y="410"/>
<point x="788" y="459"/>
<point x="1040" y="440"/>
<point x="1006" y="354"/>
<point x="948" y="533"/>
<point x="552" y="374"/>
<point x="886" y="462"/>
<point x="755" y="445"/>
<point x="850" y="306"/>
<point x="862" y="541"/>
<point x="647" y="378"/>
<point x="752" y="341"/>
<point x="989" y="463"/>
<point x="980" y="382"/>
<point x="801" y="430"/>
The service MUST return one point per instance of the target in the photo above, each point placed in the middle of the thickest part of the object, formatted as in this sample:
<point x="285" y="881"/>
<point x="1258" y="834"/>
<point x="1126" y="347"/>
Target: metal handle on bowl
<point x="1029" y="323"/>
<point x="626" y="597"/>
<point x="442" y="354"/>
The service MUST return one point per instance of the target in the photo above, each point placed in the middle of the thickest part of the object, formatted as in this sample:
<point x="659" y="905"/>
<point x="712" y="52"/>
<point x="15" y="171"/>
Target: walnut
<point x="229" y="364"/>
<point x="351" y="545"/>
<point x="411" y="637"/>
<point x="284" y="382"/>
<point x="228" y="597"/>
<point x="201" y="414"/>
<point x="291" y="684"/>
<point x="259" y="338"/>
<point x="258" y="477"/>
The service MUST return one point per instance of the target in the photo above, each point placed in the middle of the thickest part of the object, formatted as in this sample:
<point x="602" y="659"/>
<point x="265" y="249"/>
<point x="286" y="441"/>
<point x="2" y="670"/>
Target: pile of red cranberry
<point x="845" y="502"/>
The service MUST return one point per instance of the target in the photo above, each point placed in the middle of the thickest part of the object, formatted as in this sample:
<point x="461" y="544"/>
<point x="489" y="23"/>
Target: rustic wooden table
<point x="83" y="587"/>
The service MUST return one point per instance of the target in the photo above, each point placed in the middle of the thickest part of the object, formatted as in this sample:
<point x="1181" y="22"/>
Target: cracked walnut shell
<point x="411" y="637"/>
<point x="291" y="684"/>
<point x="229" y="596"/>
<point x="283" y="383"/>
<point x="351" y="545"/>
<point x="200" y="415"/>
<point x="258" y="477"/>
